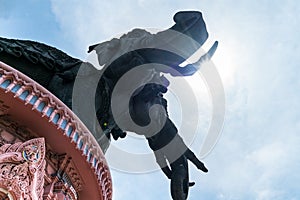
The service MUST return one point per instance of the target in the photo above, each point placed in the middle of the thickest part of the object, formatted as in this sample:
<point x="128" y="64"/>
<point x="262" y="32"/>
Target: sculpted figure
<point x="112" y="108"/>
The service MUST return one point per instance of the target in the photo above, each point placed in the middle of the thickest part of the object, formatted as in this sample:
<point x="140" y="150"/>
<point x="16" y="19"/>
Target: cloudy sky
<point x="257" y="155"/>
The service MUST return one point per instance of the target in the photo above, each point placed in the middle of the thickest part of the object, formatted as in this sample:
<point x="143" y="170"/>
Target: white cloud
<point x="94" y="21"/>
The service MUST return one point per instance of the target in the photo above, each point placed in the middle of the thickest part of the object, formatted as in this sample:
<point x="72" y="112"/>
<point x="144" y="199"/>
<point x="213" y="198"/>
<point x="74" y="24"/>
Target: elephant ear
<point x="106" y="50"/>
<point x="112" y="50"/>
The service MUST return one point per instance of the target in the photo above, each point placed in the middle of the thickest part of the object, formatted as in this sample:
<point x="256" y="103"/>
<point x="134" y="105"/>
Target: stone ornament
<point x="22" y="168"/>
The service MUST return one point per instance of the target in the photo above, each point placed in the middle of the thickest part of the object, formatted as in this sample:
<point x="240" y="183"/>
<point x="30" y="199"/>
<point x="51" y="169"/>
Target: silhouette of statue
<point x="157" y="53"/>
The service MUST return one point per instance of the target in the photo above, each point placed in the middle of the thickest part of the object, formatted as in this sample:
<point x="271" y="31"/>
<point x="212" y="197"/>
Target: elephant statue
<point x="109" y="108"/>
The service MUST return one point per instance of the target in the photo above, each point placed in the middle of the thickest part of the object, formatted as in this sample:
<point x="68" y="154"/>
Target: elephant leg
<point x="180" y="179"/>
<point x="192" y="157"/>
<point x="161" y="161"/>
<point x="118" y="133"/>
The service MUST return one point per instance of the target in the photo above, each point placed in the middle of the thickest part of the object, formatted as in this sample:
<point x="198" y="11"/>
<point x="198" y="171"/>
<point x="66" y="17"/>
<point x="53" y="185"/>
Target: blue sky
<point x="257" y="155"/>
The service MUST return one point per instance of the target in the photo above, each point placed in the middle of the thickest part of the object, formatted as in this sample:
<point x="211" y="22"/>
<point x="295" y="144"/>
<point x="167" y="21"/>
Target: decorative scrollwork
<point x="22" y="167"/>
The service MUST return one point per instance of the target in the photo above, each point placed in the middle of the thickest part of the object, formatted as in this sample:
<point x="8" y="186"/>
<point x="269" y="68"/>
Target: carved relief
<point x="11" y="133"/>
<point x="15" y="129"/>
<point x="22" y="168"/>
<point x="3" y="108"/>
<point x="68" y="122"/>
<point x="70" y="173"/>
<point x="5" y="195"/>
<point x="62" y="175"/>
<point x="6" y="138"/>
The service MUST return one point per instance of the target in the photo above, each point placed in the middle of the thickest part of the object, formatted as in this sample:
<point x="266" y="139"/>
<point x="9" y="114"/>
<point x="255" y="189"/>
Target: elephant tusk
<point x="207" y="56"/>
<point x="212" y="50"/>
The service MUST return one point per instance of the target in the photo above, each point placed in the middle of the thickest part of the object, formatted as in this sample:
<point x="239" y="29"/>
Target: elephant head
<point x="170" y="47"/>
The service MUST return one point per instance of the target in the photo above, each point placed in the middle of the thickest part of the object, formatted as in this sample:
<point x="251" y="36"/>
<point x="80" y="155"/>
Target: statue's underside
<point x="56" y="71"/>
<point x="162" y="52"/>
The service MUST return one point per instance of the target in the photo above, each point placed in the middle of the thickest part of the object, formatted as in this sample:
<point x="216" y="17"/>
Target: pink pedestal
<point x="46" y="152"/>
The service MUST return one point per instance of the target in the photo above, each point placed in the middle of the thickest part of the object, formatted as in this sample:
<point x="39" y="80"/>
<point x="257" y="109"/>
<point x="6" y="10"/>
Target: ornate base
<point x="45" y="150"/>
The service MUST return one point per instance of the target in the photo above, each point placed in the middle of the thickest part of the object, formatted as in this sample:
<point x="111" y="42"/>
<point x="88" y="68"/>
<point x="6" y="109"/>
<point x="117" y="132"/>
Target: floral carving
<point x="23" y="175"/>
<point x="67" y="122"/>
